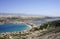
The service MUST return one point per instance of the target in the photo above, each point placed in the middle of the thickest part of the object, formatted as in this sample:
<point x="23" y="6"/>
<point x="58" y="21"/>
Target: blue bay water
<point x="12" y="27"/>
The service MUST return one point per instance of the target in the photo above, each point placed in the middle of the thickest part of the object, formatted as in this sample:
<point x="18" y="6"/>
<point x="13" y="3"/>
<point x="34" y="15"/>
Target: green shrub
<point x="52" y="24"/>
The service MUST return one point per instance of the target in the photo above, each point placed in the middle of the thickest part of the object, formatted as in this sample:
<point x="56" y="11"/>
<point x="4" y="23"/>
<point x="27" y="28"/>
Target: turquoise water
<point x="12" y="27"/>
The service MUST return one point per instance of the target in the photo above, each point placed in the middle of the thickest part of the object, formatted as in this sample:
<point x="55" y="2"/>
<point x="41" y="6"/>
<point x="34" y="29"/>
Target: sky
<point x="32" y="7"/>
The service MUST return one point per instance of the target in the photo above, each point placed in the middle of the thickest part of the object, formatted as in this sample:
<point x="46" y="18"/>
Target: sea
<point x="12" y="27"/>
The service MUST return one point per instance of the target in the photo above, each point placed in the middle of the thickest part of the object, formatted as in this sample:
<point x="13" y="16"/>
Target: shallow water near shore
<point x="44" y="21"/>
<point x="12" y="27"/>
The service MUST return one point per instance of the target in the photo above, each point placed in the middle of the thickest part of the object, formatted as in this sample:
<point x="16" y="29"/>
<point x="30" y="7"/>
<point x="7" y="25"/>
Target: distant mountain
<point x="20" y="14"/>
<point x="11" y="14"/>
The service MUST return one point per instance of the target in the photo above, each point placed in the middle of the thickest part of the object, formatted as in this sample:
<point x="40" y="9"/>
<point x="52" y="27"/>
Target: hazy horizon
<point x="30" y="7"/>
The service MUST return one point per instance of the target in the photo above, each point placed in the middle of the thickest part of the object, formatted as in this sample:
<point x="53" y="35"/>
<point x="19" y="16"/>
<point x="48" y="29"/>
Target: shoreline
<point x="29" y="27"/>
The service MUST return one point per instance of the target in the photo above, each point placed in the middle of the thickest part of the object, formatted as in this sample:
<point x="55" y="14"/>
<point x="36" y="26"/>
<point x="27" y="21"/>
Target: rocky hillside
<point x="50" y="30"/>
<point x="50" y="34"/>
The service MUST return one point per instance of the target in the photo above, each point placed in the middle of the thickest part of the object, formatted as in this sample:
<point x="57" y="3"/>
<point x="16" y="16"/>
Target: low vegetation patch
<point x="52" y="24"/>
